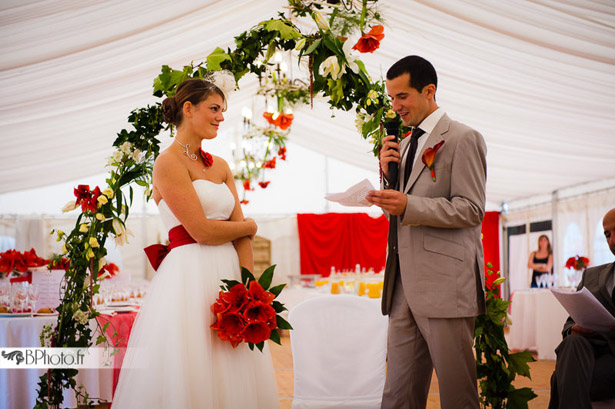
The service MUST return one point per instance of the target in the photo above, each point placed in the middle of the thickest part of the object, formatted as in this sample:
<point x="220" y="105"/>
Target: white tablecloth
<point x="18" y="387"/>
<point x="537" y="322"/>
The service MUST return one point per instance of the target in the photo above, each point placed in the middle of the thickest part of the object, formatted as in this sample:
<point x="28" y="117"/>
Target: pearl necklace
<point x="205" y="156"/>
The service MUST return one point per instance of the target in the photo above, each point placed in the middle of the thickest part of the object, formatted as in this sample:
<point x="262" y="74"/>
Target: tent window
<point x="573" y="243"/>
<point x="6" y="243"/>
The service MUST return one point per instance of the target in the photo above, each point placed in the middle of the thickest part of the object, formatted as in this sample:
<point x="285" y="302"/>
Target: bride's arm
<point x="173" y="182"/>
<point x="243" y="245"/>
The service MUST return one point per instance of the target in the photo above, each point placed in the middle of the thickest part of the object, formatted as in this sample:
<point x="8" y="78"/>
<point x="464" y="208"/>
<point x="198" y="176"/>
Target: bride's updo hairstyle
<point x="194" y="90"/>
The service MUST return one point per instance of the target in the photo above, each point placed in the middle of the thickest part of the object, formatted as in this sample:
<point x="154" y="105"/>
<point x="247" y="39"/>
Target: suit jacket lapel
<point x="434" y="137"/>
<point x="604" y="275"/>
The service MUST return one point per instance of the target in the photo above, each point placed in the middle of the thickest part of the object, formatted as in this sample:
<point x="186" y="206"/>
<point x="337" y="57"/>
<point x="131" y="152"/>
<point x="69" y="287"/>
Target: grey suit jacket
<point x="439" y="235"/>
<point x="594" y="279"/>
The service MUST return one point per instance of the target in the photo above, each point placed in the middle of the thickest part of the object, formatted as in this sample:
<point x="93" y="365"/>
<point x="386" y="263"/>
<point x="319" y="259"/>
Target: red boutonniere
<point x="429" y="156"/>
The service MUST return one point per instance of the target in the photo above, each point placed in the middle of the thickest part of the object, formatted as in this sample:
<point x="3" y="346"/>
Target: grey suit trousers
<point x="416" y="345"/>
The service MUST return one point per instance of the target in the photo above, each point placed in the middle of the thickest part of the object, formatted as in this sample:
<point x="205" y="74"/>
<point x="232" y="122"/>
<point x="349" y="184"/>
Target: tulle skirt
<point x="174" y="360"/>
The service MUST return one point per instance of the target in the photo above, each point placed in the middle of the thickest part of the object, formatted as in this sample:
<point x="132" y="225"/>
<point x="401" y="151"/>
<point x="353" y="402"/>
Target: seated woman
<point x="541" y="260"/>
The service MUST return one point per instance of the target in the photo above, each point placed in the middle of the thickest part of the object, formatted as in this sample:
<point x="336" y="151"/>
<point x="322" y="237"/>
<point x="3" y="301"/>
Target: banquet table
<point x="537" y="322"/>
<point x="18" y="387"/>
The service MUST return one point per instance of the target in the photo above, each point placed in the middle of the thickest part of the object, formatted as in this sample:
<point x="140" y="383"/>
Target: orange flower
<point x="269" y="117"/>
<point x="246" y="185"/>
<point x="264" y="184"/>
<point x="282" y="152"/>
<point x="244" y="202"/>
<point x="369" y="42"/>
<point x="270" y="164"/>
<point x="283" y="121"/>
<point x="429" y="156"/>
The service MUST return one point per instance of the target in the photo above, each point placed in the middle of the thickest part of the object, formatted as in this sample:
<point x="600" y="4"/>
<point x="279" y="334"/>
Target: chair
<point x="339" y="352"/>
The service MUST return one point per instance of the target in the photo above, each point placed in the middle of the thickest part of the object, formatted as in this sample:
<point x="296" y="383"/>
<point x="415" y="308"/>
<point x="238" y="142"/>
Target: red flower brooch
<point x="248" y="312"/>
<point x="207" y="159"/>
<point x="429" y="157"/>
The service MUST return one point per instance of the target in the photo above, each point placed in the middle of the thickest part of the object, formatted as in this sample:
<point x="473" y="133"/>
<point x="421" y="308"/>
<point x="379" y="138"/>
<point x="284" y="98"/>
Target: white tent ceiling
<point x="536" y="78"/>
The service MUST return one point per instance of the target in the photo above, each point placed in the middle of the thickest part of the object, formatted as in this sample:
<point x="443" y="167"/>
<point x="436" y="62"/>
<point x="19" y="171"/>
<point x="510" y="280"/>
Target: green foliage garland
<point x="496" y="366"/>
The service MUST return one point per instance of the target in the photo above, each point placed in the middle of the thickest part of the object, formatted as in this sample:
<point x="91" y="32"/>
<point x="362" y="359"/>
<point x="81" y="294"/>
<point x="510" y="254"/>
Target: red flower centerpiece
<point x="577" y="262"/>
<point x="17" y="263"/>
<point x="369" y="42"/>
<point x="248" y="312"/>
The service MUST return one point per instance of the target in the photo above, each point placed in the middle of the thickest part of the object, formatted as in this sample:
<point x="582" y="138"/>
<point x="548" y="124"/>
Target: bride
<point x="174" y="360"/>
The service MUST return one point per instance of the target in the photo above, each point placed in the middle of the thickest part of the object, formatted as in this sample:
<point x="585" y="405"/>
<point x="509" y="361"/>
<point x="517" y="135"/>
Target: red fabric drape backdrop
<point x="342" y="240"/>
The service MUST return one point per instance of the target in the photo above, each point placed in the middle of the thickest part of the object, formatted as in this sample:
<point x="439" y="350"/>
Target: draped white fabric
<point x="536" y="78"/>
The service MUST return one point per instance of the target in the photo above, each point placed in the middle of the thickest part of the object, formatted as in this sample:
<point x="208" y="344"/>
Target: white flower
<point x="81" y="317"/>
<point x="321" y="22"/>
<point x="69" y="206"/>
<point x="347" y="48"/>
<point x="225" y="80"/>
<point x="126" y="147"/>
<point x="121" y="232"/>
<point x="138" y="156"/>
<point x="330" y="66"/>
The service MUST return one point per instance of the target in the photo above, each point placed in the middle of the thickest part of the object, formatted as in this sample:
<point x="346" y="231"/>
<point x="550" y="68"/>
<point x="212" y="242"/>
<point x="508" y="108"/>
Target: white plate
<point x="125" y="309"/>
<point x="45" y="314"/>
<point x="120" y="304"/>
<point x="15" y="314"/>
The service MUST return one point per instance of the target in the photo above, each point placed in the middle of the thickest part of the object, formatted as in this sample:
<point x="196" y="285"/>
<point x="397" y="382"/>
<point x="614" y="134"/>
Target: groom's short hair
<point x="421" y="71"/>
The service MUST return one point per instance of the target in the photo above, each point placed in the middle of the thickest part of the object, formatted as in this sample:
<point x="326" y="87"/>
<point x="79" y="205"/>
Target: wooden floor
<point x="283" y="363"/>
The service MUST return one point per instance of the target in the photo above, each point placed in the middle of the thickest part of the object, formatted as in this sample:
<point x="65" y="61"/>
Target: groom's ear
<point x="429" y="91"/>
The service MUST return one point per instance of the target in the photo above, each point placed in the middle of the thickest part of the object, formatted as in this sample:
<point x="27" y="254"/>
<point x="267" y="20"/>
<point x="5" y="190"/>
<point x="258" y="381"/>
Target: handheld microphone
<point x="392" y="128"/>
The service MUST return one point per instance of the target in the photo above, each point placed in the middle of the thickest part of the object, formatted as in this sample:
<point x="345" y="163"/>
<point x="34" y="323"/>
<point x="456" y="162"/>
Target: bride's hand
<point x="252" y="227"/>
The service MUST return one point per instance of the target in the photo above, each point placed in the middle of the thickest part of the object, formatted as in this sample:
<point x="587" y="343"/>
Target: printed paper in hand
<point x="585" y="309"/>
<point x="354" y="196"/>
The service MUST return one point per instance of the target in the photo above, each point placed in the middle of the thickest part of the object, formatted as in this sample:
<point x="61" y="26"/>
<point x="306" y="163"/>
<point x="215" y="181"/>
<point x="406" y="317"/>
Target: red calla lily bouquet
<point x="248" y="312"/>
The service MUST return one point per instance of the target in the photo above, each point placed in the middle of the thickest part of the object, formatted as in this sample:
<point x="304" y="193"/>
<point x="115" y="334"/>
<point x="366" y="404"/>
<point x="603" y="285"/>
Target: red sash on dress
<point x="178" y="236"/>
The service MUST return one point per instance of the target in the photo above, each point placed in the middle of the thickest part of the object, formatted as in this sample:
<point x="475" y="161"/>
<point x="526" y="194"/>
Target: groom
<point x="434" y="272"/>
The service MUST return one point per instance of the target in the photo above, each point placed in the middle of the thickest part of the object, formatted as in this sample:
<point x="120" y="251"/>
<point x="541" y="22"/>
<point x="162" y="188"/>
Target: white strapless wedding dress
<point x="174" y="360"/>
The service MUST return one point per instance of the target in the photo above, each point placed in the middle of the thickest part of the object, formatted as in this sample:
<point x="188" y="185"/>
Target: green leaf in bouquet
<point x="229" y="284"/>
<point x="260" y="346"/>
<point x="251" y="346"/>
<point x="278" y="307"/>
<point x="282" y="323"/>
<point x="277" y="289"/>
<point x="266" y="277"/>
<point x="275" y="337"/>
<point x="246" y="276"/>
<point x="312" y="47"/>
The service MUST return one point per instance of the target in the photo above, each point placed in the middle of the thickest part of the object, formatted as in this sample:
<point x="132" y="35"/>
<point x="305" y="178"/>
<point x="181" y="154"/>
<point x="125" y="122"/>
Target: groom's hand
<point x="389" y="153"/>
<point x="392" y="201"/>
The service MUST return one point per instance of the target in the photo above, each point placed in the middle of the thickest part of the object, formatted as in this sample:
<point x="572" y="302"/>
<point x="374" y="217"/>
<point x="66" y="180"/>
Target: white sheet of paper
<point x="354" y="196"/>
<point x="48" y="287"/>
<point x="585" y="309"/>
